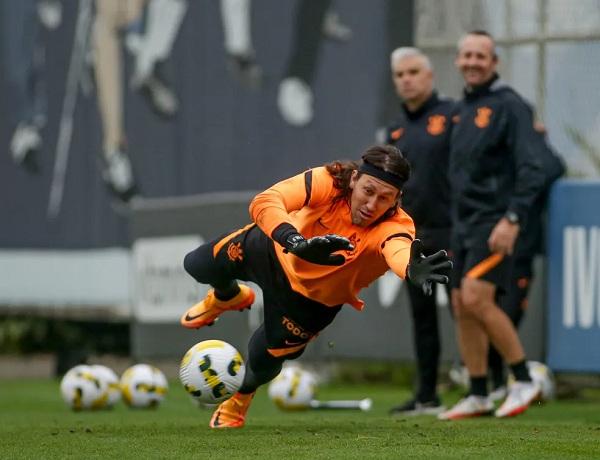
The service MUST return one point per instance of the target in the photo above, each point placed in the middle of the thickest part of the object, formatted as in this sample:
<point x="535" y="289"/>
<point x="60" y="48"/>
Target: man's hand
<point x="423" y="271"/>
<point x="319" y="249"/>
<point x="503" y="237"/>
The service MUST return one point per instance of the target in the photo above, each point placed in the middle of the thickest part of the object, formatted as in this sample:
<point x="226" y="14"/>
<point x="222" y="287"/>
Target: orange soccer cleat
<point x="206" y="312"/>
<point x="232" y="413"/>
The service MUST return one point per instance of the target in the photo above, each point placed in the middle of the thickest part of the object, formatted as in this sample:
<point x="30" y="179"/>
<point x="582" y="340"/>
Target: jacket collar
<point x="429" y="103"/>
<point x="474" y="92"/>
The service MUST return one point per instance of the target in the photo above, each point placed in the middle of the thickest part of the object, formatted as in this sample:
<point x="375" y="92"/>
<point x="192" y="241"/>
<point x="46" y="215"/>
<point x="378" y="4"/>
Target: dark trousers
<point x="307" y="38"/>
<point x="23" y="55"/>
<point x="426" y="340"/>
<point x="424" y="312"/>
<point x="290" y="319"/>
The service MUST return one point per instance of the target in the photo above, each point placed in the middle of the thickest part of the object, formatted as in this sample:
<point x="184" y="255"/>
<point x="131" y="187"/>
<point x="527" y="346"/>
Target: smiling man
<point x="317" y="239"/>
<point x="495" y="177"/>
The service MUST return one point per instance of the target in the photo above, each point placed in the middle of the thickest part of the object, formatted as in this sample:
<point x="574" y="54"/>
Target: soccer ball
<point x="293" y="388"/>
<point x="111" y="381"/>
<point x="542" y="374"/>
<point x="143" y="386"/>
<point x="82" y="389"/>
<point x="212" y="371"/>
<point x="459" y="375"/>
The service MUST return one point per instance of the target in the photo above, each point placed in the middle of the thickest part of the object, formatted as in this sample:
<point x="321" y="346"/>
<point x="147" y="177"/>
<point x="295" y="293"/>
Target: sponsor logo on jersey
<point x="296" y="330"/>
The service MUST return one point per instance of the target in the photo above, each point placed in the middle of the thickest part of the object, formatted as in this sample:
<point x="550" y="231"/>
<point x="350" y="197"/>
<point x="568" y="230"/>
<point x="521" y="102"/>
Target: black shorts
<point x="514" y="301"/>
<point x="472" y="258"/>
<point x="291" y="320"/>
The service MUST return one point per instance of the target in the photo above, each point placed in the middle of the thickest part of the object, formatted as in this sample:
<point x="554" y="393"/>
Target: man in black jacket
<point x="529" y="244"/>
<point x="422" y="132"/>
<point x="495" y="177"/>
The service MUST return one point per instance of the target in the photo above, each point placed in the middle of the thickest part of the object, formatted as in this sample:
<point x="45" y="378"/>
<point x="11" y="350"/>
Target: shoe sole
<point x="464" y="416"/>
<point x="519" y="410"/>
<point x="514" y="412"/>
<point x="209" y="320"/>
<point x="417" y="412"/>
<point x="220" y="427"/>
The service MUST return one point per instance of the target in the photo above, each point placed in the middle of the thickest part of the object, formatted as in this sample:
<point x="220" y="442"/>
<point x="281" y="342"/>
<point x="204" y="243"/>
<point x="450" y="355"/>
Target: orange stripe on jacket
<point x="278" y="352"/>
<point x="485" y="266"/>
<point x="217" y="247"/>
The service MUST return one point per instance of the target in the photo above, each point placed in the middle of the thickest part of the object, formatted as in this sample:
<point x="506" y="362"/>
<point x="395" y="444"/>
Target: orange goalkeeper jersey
<point x="306" y="202"/>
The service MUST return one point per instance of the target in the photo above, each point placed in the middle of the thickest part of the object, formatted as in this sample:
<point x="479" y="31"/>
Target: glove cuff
<point x="408" y="273"/>
<point x="286" y="235"/>
<point x="413" y="279"/>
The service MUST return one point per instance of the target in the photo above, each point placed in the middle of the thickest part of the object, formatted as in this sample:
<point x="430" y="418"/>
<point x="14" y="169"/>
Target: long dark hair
<point x="385" y="157"/>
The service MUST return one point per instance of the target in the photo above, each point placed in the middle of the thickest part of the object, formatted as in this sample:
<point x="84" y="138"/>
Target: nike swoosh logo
<point x="191" y="318"/>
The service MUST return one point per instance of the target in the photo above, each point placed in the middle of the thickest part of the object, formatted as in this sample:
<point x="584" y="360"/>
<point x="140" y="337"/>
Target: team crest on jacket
<point x="354" y="240"/>
<point x="235" y="252"/>
<point x="436" y="125"/>
<point x="397" y="134"/>
<point x="482" y="120"/>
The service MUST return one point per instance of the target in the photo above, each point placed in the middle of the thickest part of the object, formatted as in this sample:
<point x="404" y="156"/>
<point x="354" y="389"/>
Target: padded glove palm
<point x="319" y="249"/>
<point x="423" y="271"/>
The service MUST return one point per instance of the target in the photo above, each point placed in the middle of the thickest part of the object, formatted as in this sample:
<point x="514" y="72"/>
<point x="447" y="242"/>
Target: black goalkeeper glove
<point x="423" y="271"/>
<point x="318" y="249"/>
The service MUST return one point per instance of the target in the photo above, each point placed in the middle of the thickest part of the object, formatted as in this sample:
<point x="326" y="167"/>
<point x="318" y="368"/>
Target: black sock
<point x="479" y="386"/>
<point x="520" y="371"/>
<point x="496" y="369"/>
<point x="227" y="292"/>
<point x="425" y="397"/>
<point x="497" y="376"/>
<point x="261" y="366"/>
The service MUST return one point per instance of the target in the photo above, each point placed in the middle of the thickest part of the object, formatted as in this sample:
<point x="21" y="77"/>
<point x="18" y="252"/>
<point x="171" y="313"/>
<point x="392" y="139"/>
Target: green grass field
<point x="34" y="423"/>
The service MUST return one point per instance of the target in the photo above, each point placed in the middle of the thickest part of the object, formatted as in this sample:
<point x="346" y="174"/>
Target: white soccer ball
<point x="143" y="386"/>
<point x="293" y="388"/>
<point x="111" y="381"/>
<point x="212" y="371"/>
<point x="543" y="375"/>
<point x="81" y="389"/>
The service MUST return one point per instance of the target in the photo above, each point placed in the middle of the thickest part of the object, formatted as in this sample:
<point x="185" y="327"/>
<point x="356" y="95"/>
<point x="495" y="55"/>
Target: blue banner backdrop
<point x="574" y="277"/>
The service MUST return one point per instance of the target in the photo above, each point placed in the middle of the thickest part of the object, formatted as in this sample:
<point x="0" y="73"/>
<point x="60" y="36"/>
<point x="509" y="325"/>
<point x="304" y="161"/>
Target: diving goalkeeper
<point x="316" y="240"/>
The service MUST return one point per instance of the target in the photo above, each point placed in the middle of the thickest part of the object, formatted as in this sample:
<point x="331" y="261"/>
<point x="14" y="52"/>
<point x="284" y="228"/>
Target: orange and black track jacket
<point x="423" y="137"/>
<point x="306" y="202"/>
<point x="493" y="166"/>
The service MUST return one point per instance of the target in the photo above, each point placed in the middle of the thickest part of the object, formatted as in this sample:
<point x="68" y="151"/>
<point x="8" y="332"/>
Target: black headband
<point x="372" y="170"/>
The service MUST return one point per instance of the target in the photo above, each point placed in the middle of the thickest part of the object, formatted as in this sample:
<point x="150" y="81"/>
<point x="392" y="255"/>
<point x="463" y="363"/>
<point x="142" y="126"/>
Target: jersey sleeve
<point x="396" y="249"/>
<point x="271" y="208"/>
<point x="529" y="174"/>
